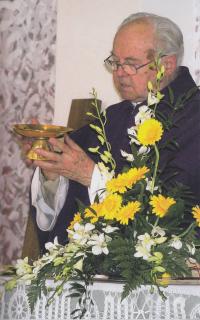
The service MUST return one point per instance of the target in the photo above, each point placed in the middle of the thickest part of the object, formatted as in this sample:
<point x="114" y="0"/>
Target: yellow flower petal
<point x="126" y="180"/>
<point x="165" y="279"/>
<point x="110" y="206"/>
<point x="93" y="212"/>
<point x="196" y="214"/>
<point x="128" y="212"/>
<point x="161" y="204"/>
<point x="150" y="132"/>
<point x="77" y="218"/>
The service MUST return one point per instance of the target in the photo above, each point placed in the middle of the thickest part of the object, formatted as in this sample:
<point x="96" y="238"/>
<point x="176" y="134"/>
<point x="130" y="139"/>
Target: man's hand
<point x="72" y="162"/>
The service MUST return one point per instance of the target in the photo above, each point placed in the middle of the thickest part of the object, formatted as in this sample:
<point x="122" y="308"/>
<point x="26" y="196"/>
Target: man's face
<point x="133" y="44"/>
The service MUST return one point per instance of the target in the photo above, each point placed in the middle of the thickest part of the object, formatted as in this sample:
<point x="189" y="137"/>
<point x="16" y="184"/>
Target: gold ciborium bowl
<point x="40" y="133"/>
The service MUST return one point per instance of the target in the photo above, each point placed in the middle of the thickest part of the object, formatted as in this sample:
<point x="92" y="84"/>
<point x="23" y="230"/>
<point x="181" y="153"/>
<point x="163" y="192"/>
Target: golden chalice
<point x="40" y="133"/>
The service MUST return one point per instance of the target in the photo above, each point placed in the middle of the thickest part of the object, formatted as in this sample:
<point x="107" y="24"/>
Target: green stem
<point x="112" y="161"/>
<point x="156" y="223"/>
<point x="155" y="168"/>
<point x="141" y="192"/>
<point x="184" y="233"/>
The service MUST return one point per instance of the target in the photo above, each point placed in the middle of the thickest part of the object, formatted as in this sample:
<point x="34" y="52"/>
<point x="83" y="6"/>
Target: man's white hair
<point x="169" y="38"/>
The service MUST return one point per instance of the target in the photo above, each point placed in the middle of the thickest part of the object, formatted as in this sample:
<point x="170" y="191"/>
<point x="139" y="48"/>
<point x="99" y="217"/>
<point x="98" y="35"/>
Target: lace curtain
<point x="27" y="81"/>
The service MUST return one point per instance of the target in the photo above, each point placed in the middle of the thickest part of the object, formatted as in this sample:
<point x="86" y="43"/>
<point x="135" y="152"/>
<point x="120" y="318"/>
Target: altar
<point x="182" y="303"/>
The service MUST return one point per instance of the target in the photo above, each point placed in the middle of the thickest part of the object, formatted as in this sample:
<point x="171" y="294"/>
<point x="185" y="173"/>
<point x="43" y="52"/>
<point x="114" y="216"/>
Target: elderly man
<point x="73" y="174"/>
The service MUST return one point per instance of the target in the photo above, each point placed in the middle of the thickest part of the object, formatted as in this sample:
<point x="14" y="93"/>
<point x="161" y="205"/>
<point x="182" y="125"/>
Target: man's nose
<point x="120" y="71"/>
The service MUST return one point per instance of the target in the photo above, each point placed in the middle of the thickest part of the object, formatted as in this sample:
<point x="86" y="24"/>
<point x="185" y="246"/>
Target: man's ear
<point x="170" y="64"/>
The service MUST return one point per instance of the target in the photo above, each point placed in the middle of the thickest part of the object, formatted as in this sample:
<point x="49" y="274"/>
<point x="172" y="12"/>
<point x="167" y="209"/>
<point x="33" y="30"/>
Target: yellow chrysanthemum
<point x="110" y="206"/>
<point x="77" y="218"/>
<point x="161" y="204"/>
<point x="118" y="184"/>
<point x="128" y="212"/>
<point x="93" y="212"/>
<point x="135" y="174"/>
<point x="196" y="214"/>
<point x="150" y="132"/>
<point x="126" y="180"/>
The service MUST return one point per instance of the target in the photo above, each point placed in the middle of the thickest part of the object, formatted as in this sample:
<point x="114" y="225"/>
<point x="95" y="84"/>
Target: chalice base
<point x="38" y="144"/>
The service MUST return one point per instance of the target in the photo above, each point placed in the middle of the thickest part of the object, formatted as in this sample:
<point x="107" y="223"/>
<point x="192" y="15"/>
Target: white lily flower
<point x="129" y="157"/>
<point x="142" y="252"/>
<point x="175" y="242"/>
<point x="99" y="244"/>
<point x="51" y="246"/>
<point x="23" y="267"/>
<point x="79" y="265"/>
<point x="146" y="241"/>
<point x="87" y="227"/>
<point x="26" y="279"/>
<point x="37" y="266"/>
<point x="110" y="229"/>
<point x="81" y="233"/>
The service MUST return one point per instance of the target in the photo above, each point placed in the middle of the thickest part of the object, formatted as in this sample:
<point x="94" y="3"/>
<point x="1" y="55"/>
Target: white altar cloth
<point x="182" y="303"/>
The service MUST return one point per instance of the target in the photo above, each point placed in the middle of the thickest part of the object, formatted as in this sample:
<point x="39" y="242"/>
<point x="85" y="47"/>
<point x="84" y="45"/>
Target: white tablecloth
<point x="182" y="303"/>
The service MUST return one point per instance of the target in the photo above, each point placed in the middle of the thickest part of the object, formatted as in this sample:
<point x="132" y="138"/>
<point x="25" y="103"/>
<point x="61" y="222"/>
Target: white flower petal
<point x="96" y="250"/>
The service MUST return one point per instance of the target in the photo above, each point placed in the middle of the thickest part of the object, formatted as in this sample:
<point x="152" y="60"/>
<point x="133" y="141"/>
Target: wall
<point x="84" y="39"/>
<point x="27" y="78"/>
<point x="85" y="32"/>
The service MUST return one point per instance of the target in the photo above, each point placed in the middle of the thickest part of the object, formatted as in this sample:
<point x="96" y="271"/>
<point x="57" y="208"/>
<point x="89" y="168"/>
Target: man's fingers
<point x="49" y="156"/>
<point x="60" y="145"/>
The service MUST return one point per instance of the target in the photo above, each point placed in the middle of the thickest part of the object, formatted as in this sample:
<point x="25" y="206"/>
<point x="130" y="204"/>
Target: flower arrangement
<point x="136" y="228"/>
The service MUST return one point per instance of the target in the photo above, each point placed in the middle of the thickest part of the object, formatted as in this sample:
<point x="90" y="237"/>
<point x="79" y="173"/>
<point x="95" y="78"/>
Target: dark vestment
<point x="186" y="159"/>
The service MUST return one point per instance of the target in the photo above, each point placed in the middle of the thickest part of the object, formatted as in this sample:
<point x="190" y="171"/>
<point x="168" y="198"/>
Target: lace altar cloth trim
<point x="182" y="303"/>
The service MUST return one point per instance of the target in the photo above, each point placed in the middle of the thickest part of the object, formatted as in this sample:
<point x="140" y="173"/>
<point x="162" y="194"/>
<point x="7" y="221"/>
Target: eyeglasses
<point x="129" y="68"/>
